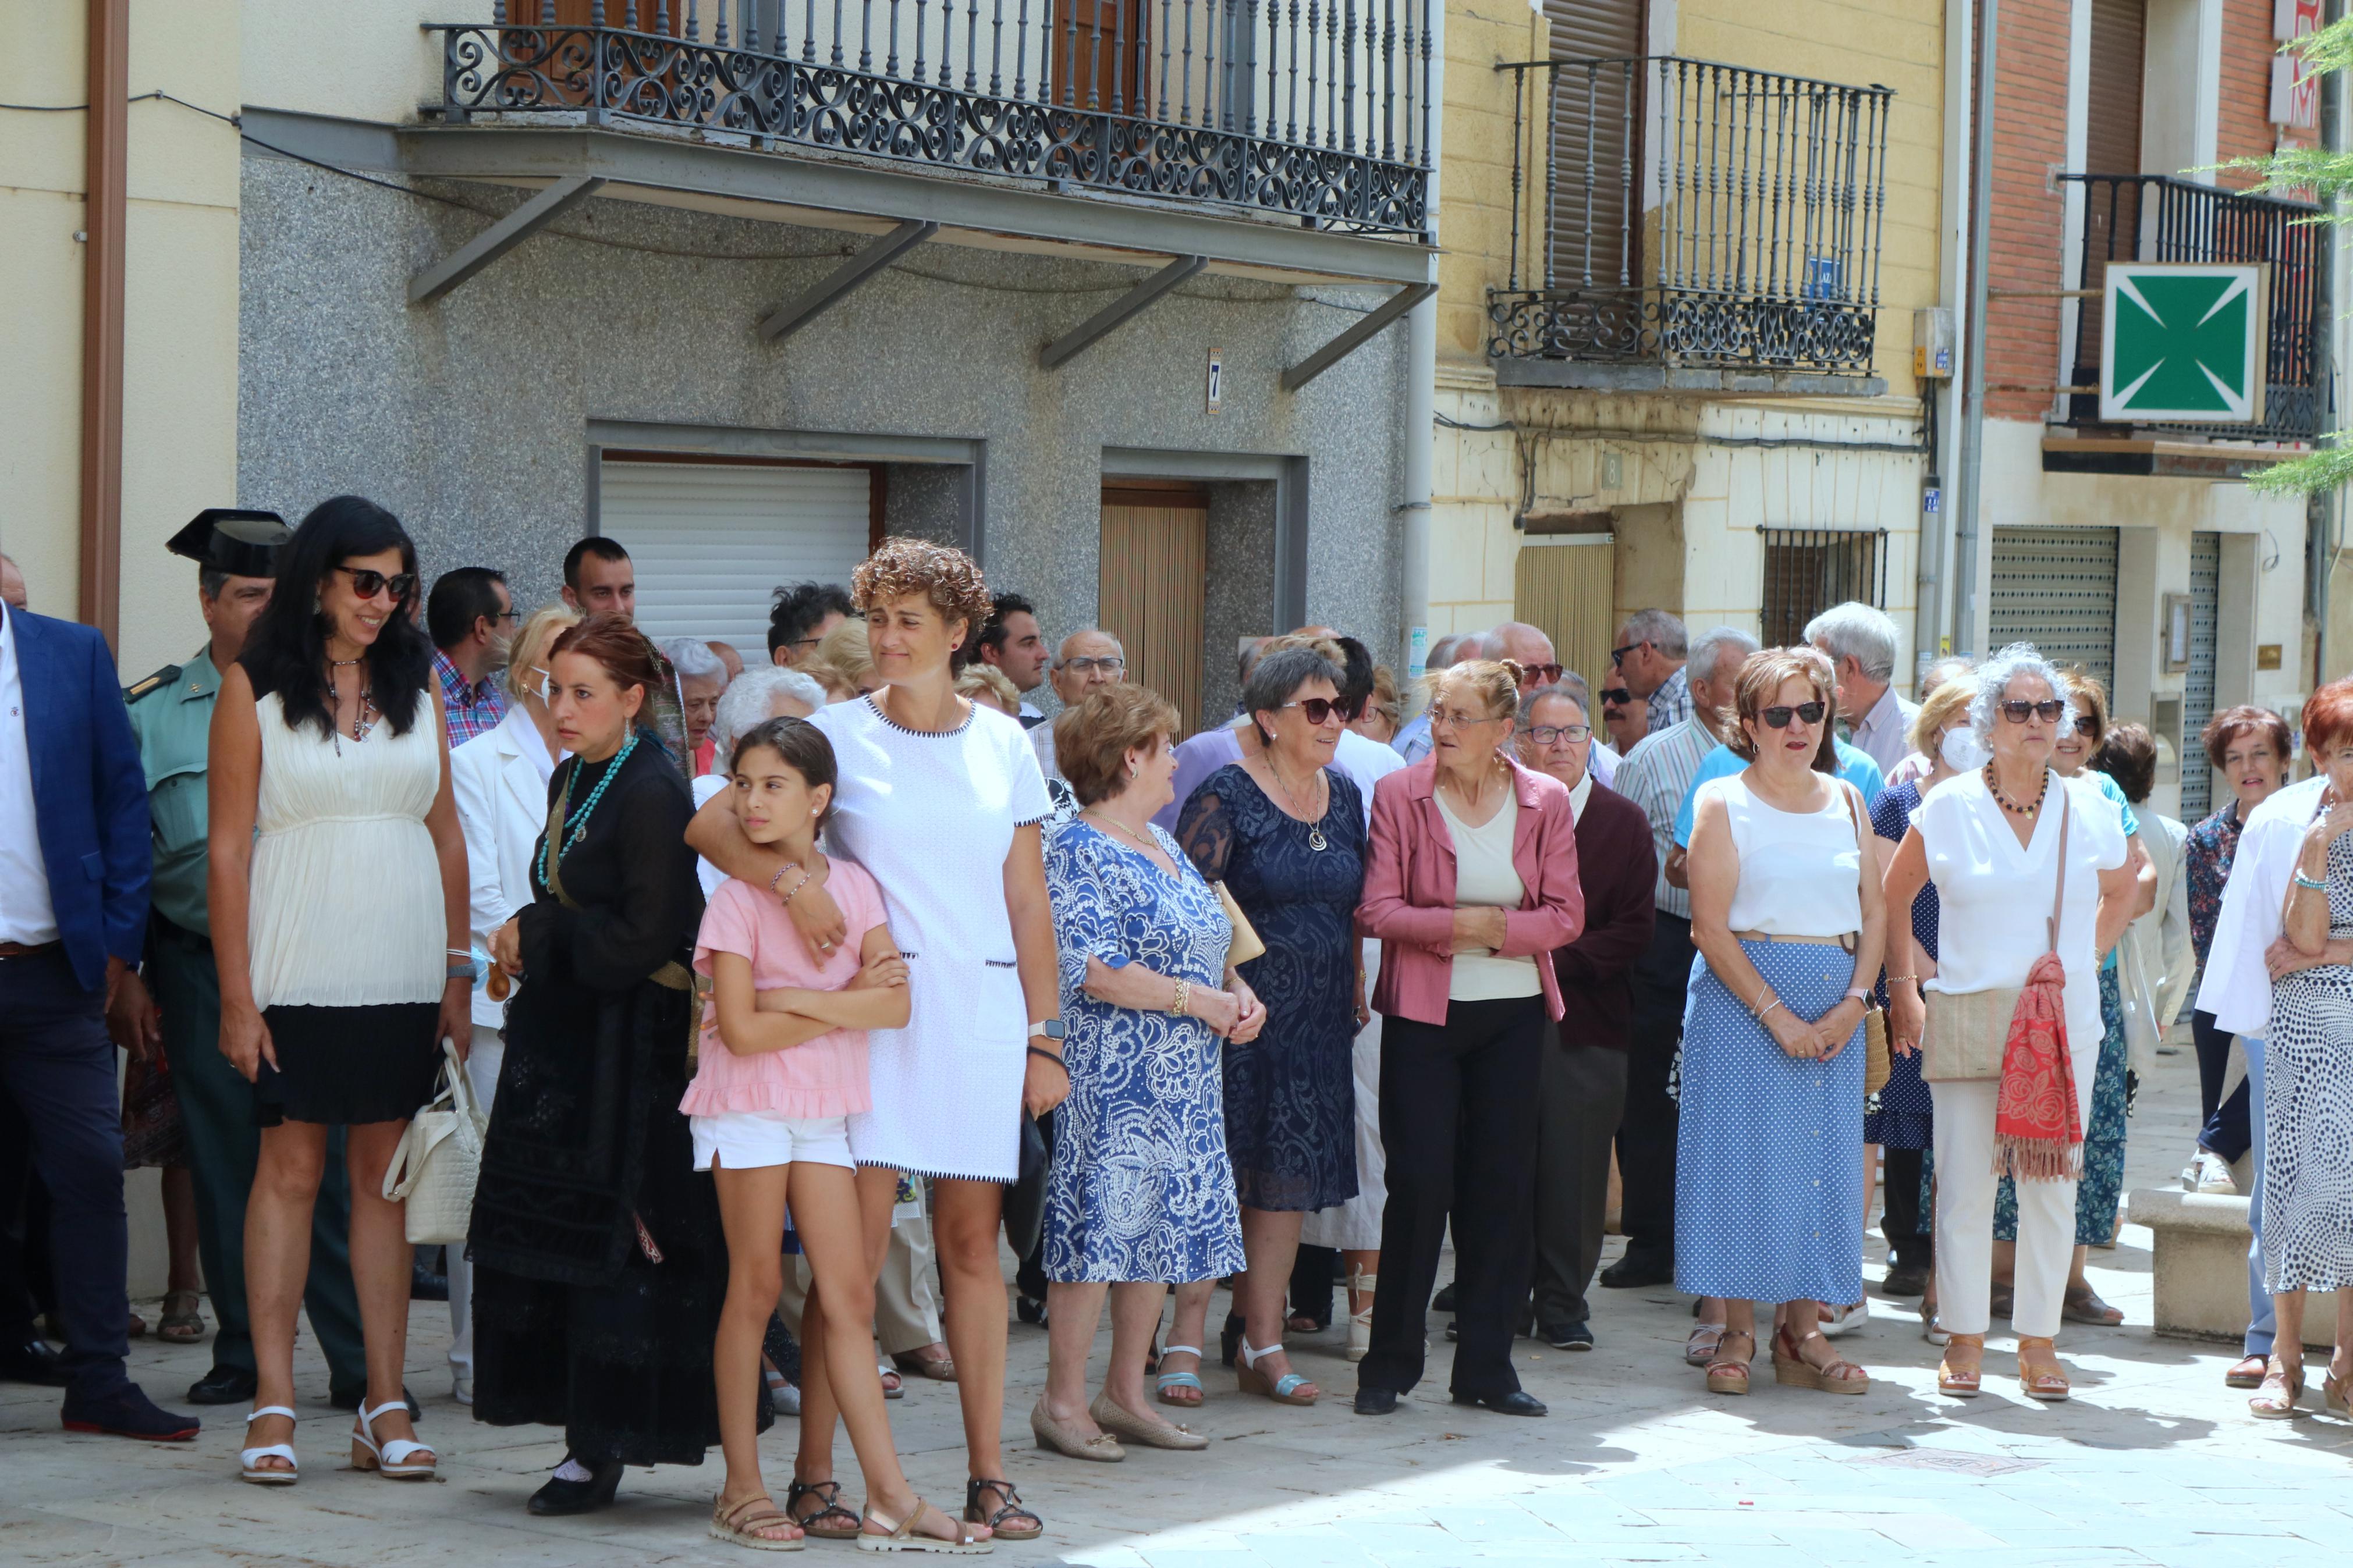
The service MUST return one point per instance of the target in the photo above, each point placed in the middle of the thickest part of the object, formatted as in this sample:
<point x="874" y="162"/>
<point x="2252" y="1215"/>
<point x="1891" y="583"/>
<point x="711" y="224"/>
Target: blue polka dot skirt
<point x="1768" y="1160"/>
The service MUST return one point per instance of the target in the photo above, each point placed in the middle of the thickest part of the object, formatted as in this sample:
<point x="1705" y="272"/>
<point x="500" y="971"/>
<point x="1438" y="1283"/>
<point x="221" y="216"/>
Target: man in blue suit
<point x="74" y="867"/>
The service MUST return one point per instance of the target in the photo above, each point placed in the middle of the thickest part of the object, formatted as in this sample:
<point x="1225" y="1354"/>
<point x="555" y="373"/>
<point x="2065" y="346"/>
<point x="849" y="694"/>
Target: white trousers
<point x="482" y="1064"/>
<point x="1965" y="1196"/>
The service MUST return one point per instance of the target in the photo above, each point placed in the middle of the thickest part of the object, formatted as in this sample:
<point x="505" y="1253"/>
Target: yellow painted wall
<point x="360" y="60"/>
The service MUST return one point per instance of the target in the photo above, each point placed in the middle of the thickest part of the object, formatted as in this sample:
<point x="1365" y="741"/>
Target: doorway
<point x="1153" y="588"/>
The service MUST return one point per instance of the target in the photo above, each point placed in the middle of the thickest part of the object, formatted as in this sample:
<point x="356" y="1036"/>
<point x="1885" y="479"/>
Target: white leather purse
<point x="433" y="1170"/>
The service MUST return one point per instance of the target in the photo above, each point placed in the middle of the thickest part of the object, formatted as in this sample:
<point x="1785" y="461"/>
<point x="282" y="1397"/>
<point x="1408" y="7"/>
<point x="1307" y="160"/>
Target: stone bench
<point x="2199" y="1266"/>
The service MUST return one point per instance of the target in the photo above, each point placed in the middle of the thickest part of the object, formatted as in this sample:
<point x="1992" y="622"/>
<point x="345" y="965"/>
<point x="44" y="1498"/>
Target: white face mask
<point x="1963" y="751"/>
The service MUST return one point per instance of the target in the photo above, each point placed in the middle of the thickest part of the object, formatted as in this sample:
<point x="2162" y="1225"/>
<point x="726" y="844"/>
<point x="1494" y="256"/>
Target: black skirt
<point x="348" y="1066"/>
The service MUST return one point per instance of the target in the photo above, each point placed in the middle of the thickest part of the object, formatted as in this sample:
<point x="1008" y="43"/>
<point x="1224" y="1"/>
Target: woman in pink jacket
<point x="1470" y="883"/>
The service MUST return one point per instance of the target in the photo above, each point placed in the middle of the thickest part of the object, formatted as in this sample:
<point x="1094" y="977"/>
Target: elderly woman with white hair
<point x="2010" y="1022"/>
<point x="750" y="699"/>
<point x="702" y="677"/>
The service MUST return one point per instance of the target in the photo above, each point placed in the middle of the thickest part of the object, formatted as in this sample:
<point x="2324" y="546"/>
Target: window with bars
<point x="1808" y="570"/>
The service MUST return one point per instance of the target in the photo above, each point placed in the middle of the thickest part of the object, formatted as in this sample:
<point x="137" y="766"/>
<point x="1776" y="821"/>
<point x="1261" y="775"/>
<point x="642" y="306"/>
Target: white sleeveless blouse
<point x="347" y="907"/>
<point x="1800" y="871"/>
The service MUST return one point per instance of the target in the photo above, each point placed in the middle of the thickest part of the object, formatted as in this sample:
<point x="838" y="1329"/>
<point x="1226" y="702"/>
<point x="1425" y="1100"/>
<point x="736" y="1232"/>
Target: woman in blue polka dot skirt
<point x="1786" y="914"/>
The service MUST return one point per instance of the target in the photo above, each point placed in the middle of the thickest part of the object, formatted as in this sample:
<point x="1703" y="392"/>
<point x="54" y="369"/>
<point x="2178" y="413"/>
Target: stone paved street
<point x="2154" y="1462"/>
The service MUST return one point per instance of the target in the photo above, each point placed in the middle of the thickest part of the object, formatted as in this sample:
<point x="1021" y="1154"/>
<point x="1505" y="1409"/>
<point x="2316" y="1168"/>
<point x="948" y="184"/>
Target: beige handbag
<point x="433" y="1170"/>
<point x="1246" y="943"/>
<point x="1967" y="1033"/>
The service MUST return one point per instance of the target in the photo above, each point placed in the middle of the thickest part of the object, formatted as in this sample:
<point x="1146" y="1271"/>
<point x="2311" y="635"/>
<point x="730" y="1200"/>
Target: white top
<point x="346" y="903"/>
<point x="2238" y="988"/>
<point x="1365" y="762"/>
<point x="1800" y="870"/>
<point x="1885" y="734"/>
<point x="1041" y="741"/>
<point x="931" y="817"/>
<point x="1994" y="898"/>
<point x="497" y="780"/>
<point x="1483" y="874"/>
<point x="26" y="915"/>
<point x="709" y="875"/>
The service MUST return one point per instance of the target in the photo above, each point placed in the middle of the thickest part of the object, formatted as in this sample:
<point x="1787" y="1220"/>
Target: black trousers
<point x="1646" y="1133"/>
<point x="1901" y="1221"/>
<point x="1459" y="1111"/>
<point x="1584" y="1095"/>
<point x="2228" y="1131"/>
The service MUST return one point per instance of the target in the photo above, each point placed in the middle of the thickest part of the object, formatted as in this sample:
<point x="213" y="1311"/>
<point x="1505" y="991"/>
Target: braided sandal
<point x="827" y="1493"/>
<point x="741" y="1523"/>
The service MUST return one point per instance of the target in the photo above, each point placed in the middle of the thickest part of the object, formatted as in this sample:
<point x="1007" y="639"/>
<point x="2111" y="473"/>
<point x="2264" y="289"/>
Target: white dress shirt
<point x="1885" y="734"/>
<point x="1579" y="795"/>
<point x="1041" y="741"/>
<point x="2237" y="986"/>
<point x="26" y="915"/>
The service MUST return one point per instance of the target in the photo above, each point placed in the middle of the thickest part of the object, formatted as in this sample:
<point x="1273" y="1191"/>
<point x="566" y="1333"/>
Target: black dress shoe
<point x="1519" y="1401"/>
<point x="1376" y="1401"/>
<point x="1444" y="1301"/>
<point x="1030" y="1310"/>
<point x="426" y="1283"/>
<point x="561" y="1497"/>
<point x="1905" y="1279"/>
<point x="1567" y="1336"/>
<point x="1633" y="1273"/>
<point x="35" y="1360"/>
<point x="349" y="1399"/>
<point x="129" y="1413"/>
<point x="224" y="1385"/>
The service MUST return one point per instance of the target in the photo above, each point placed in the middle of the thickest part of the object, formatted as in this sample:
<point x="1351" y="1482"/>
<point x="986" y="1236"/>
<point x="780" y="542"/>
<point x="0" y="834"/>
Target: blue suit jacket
<point x="89" y="793"/>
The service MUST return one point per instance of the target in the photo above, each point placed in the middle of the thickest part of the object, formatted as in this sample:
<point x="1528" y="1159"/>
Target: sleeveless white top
<point x="347" y="907"/>
<point x="1800" y="871"/>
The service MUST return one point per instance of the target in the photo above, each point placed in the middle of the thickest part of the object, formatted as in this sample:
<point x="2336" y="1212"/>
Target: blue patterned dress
<point x="1291" y="1094"/>
<point x="1140" y="1188"/>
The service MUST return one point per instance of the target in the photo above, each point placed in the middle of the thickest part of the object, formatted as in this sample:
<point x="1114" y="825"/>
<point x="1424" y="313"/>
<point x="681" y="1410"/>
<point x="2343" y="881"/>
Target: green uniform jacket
<point x="172" y="715"/>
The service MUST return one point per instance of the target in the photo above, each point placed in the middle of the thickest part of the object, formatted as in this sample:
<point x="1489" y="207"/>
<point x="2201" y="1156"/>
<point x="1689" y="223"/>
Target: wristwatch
<point x="1051" y="1028"/>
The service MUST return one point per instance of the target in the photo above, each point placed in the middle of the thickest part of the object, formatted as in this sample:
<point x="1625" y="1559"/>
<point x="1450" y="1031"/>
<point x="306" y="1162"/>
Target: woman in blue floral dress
<point x="1140" y="1195"/>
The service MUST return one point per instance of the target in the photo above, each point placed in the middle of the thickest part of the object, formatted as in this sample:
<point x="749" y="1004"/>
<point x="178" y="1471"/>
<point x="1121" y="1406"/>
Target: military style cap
<point x="241" y="543"/>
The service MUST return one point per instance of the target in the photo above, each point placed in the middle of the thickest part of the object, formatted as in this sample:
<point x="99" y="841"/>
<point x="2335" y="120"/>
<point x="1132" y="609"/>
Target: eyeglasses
<point x="1460" y="719"/>
<point x="1320" y="710"/>
<point x="1619" y="695"/>
<point x="367" y="584"/>
<point x="1540" y="674"/>
<point x="1546" y="734"/>
<point x="506" y="615"/>
<point x="1618" y="655"/>
<point x="2087" y="726"/>
<point x="2048" y="710"/>
<point x="1110" y="663"/>
<point x="1778" y="717"/>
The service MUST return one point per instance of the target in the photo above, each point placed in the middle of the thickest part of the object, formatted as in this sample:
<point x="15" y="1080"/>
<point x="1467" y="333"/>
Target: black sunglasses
<point x="1778" y="717"/>
<point x="2048" y="710"/>
<point x="1319" y="710"/>
<point x="2087" y="726"/>
<point x="1617" y="694"/>
<point x="1618" y="655"/>
<point x="368" y="584"/>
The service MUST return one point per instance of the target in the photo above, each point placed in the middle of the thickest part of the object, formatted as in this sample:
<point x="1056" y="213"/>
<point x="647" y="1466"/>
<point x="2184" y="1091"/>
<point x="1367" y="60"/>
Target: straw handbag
<point x="1969" y="1032"/>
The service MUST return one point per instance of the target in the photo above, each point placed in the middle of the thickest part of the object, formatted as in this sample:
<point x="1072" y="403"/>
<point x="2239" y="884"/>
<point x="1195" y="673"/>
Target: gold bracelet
<point x="1183" y="998"/>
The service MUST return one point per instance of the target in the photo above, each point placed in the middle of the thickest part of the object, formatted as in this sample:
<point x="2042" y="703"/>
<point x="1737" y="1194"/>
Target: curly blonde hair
<point x="945" y="576"/>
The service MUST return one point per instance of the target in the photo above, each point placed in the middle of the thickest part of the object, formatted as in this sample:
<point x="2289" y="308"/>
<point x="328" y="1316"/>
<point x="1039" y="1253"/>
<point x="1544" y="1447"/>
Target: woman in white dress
<point x="337" y="863"/>
<point x="941" y="801"/>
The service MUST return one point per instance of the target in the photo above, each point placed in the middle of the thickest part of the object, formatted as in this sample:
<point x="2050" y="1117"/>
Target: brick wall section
<point x="2243" y="128"/>
<point x="2026" y="234"/>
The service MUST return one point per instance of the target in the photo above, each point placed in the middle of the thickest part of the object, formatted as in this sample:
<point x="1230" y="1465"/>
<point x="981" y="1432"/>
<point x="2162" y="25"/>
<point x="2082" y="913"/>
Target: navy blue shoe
<point x="128" y="1412"/>
<point x="1567" y="1336"/>
<point x="1519" y="1401"/>
<point x="35" y="1360"/>
<point x="1373" y="1401"/>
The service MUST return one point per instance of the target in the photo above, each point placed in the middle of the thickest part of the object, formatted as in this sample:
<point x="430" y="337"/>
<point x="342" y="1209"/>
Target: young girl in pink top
<point x="782" y="1064"/>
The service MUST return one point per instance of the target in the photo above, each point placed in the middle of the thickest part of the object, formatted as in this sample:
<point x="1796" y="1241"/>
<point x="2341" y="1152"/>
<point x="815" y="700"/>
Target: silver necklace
<point x="1316" y="839"/>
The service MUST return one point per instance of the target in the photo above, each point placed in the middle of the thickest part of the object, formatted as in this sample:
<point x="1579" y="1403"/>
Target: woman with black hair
<point x="337" y="863"/>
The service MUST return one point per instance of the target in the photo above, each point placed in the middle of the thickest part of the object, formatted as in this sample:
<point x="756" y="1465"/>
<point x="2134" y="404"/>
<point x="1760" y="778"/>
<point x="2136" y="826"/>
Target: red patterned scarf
<point x="2035" y="1133"/>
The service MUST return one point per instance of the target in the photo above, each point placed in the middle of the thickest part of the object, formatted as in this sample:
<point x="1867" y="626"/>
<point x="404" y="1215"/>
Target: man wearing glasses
<point x="1086" y="659"/>
<point x="1650" y="655"/>
<point x="471" y="617"/>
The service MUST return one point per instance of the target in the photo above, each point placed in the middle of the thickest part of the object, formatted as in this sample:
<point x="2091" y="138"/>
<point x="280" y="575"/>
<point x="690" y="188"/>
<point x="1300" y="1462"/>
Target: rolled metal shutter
<point x="1596" y="125"/>
<point x="2056" y="588"/>
<point x="2198" y="694"/>
<point x="712" y="541"/>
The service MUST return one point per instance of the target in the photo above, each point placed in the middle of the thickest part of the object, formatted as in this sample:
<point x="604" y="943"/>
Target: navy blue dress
<point x="1906" y="1117"/>
<point x="1290" y="1097"/>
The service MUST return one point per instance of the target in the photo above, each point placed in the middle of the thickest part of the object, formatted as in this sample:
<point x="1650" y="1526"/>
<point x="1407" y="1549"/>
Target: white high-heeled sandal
<point x="395" y="1456"/>
<point x="1360" y="1321"/>
<point x="249" y="1460"/>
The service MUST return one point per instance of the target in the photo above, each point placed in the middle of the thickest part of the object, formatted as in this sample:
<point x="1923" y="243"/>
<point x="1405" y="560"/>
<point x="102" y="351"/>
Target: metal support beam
<point x="1357" y="336"/>
<point x="1087" y="333"/>
<point x="501" y="237"/>
<point x="836" y="286"/>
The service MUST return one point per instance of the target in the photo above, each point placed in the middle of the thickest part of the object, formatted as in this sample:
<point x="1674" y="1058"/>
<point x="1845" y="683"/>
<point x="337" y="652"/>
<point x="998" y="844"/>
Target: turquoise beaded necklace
<point x="577" y="825"/>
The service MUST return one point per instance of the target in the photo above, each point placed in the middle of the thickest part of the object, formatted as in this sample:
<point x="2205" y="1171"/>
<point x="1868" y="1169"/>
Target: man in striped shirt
<point x="1656" y="775"/>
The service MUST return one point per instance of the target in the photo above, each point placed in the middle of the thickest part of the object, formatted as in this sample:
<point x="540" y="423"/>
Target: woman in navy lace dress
<point x="1286" y="832"/>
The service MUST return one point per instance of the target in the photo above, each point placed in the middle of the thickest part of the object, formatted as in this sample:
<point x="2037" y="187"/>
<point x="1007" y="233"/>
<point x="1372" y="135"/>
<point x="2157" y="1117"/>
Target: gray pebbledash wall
<point x="468" y="417"/>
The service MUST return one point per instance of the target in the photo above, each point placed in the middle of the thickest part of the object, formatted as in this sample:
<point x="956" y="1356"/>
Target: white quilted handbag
<point x="433" y="1170"/>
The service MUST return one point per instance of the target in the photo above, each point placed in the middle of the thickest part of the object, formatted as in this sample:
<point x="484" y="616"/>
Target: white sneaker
<point x="2209" y="1173"/>
<point x="461" y="1388"/>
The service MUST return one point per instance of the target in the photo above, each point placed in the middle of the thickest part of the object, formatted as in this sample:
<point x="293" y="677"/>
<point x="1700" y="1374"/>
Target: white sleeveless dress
<point x="345" y="922"/>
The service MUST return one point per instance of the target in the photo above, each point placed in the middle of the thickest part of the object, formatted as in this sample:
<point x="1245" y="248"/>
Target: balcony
<point x="1316" y="120"/>
<point x="2156" y="217"/>
<point x="1684" y="225"/>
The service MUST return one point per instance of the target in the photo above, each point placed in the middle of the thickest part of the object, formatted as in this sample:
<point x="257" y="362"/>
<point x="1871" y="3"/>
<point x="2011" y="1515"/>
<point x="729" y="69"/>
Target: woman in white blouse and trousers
<point x="1989" y="840"/>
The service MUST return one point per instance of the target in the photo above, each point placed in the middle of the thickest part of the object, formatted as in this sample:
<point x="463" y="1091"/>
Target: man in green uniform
<point x="179" y="1003"/>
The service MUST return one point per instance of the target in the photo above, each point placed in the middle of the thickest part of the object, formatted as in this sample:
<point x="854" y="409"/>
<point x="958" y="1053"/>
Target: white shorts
<point x="748" y="1140"/>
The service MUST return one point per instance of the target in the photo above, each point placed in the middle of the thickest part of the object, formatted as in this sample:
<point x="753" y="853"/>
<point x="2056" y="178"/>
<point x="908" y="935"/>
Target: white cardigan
<point x="499" y="780"/>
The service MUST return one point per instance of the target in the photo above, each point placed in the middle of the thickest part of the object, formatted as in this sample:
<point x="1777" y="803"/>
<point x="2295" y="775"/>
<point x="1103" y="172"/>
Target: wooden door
<point x="1153" y="590"/>
<point x="1101" y="55"/>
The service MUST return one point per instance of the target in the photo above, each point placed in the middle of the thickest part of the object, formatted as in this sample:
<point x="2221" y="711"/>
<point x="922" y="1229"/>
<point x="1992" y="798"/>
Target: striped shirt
<point x="1656" y="775"/>
<point x="1671" y="704"/>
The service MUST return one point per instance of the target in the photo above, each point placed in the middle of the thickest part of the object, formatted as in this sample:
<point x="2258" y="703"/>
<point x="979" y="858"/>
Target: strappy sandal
<point x="817" y="1522"/>
<point x="395" y="1458"/>
<point x="1013" y="1509"/>
<point x="2040" y="1375"/>
<point x="2333" y="1392"/>
<point x="1791" y="1367"/>
<point x="1283" y="1390"/>
<point x="249" y="1460"/>
<point x="183" y="1324"/>
<point x="1191" y="1381"/>
<point x="741" y="1523"/>
<point x="2278" y="1401"/>
<point x="1706" y="1340"/>
<point x="1962" y="1382"/>
<point x="901" y="1537"/>
<point x="1725" y="1375"/>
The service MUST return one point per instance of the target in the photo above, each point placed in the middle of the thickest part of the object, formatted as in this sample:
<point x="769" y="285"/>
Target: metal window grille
<point x="1808" y="570"/>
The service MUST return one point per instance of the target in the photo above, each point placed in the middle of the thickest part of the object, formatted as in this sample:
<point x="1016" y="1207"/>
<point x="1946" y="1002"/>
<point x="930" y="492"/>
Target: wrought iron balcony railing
<point x="1693" y="214"/>
<point x="2156" y="217"/>
<point x="1319" y="115"/>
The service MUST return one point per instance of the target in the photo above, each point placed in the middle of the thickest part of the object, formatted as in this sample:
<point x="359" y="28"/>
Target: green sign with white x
<point x="2183" y="342"/>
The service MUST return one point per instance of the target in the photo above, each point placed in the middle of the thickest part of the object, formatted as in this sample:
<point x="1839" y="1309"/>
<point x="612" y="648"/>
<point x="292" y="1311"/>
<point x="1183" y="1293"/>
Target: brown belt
<point x="1846" y="940"/>
<point x="18" y="950"/>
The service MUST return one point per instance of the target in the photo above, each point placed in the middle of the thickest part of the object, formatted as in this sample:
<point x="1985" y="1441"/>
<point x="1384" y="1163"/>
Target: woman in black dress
<point x="600" y="1267"/>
